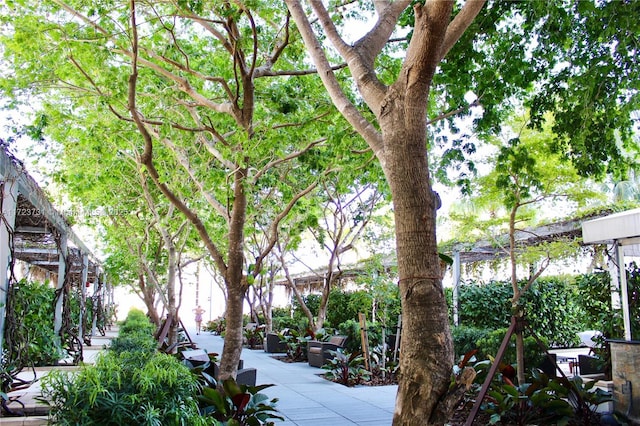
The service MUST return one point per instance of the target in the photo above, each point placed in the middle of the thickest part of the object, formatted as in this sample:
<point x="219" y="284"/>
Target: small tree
<point x="527" y="175"/>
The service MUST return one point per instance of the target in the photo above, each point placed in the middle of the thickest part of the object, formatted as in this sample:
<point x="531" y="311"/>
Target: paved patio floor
<point x="305" y="399"/>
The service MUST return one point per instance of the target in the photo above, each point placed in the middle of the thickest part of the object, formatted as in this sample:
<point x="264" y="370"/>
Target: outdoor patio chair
<point x="318" y="352"/>
<point x="244" y="376"/>
<point x="590" y="365"/>
<point x="273" y="345"/>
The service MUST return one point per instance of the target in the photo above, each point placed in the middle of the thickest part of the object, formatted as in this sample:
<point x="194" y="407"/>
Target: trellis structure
<point x="33" y="231"/>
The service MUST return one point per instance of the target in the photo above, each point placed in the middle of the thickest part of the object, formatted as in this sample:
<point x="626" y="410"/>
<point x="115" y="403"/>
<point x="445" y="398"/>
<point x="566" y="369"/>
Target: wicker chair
<point x="273" y="345"/>
<point x="318" y="352"/>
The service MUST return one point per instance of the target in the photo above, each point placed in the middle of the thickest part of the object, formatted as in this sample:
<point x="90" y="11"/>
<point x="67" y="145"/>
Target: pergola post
<point x="83" y="297"/>
<point x="624" y="291"/>
<point x="94" y="300"/>
<point x="62" y="273"/>
<point x="9" y="193"/>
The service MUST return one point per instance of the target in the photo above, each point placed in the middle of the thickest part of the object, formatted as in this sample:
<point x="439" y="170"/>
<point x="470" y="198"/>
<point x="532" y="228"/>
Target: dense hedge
<point x="551" y="305"/>
<point x="130" y="384"/>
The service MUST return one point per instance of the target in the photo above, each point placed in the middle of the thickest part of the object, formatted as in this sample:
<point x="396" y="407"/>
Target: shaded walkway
<point x="305" y="399"/>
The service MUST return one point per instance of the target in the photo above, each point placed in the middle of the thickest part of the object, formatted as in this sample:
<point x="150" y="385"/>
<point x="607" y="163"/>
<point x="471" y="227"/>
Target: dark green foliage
<point x="29" y="328"/>
<point x="351" y="329"/>
<point x="489" y="345"/>
<point x="545" y="401"/>
<point x="281" y="319"/>
<point x="346" y="368"/>
<point x="485" y="305"/>
<point x="553" y="311"/>
<point x="239" y="405"/>
<point x="345" y="305"/>
<point x="465" y="339"/>
<point x="595" y="289"/>
<point x="551" y="306"/>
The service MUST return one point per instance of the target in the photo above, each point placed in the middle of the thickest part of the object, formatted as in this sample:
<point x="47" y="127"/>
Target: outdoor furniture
<point x="273" y="345"/>
<point x="590" y="365"/>
<point x="318" y="352"/>
<point x="244" y="376"/>
<point x="548" y="366"/>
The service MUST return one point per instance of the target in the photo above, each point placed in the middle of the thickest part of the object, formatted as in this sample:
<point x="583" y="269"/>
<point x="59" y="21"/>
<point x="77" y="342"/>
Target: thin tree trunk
<point x="517" y="292"/>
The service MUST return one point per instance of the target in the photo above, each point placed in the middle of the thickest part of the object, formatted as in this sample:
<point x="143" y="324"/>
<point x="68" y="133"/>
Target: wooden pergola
<point x="33" y="231"/>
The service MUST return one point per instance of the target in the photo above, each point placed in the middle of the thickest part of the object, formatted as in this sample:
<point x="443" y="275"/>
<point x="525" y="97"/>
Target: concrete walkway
<point x="305" y="398"/>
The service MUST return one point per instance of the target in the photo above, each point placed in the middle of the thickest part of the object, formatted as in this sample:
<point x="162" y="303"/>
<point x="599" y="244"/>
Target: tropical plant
<point x="254" y="336"/>
<point x="130" y="383"/>
<point x="239" y="405"/>
<point x="296" y="342"/>
<point x="124" y="388"/>
<point x="488" y="347"/>
<point x="216" y="326"/>
<point x="346" y="368"/>
<point x="545" y="400"/>
<point x="383" y="369"/>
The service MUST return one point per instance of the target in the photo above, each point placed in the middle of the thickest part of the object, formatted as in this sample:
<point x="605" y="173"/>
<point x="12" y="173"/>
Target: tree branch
<point x="344" y="105"/>
<point x="146" y="158"/>
<point x="460" y="23"/>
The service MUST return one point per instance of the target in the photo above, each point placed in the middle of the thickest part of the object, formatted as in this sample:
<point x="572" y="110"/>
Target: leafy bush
<point x="465" y="339"/>
<point x="383" y="369"/>
<point x="136" y="321"/>
<point x="351" y="329"/>
<point x="296" y="342"/>
<point x="29" y="328"/>
<point x="239" y="405"/>
<point x="545" y="401"/>
<point x="346" y="368"/>
<point x="134" y="342"/>
<point x="130" y="383"/>
<point x="345" y="305"/>
<point x="488" y="347"/>
<point x="124" y="389"/>
<point x="217" y="326"/>
<point x="485" y="305"/>
<point x="553" y="311"/>
<point x="551" y="305"/>
<point x="254" y="336"/>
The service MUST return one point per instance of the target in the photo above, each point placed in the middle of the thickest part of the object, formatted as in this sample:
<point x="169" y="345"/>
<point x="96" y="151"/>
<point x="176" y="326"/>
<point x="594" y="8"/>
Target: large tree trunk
<point x="426" y="348"/>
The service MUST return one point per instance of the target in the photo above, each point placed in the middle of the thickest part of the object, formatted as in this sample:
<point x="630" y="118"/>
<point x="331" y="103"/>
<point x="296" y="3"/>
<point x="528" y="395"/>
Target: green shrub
<point x="489" y="345"/>
<point x="117" y="391"/>
<point x="217" y="326"/>
<point x="136" y="322"/>
<point x="551" y="306"/>
<point x="345" y="305"/>
<point x="29" y="327"/>
<point x="351" y="329"/>
<point x="465" y="339"/>
<point x="346" y="368"/>
<point x="137" y="342"/>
